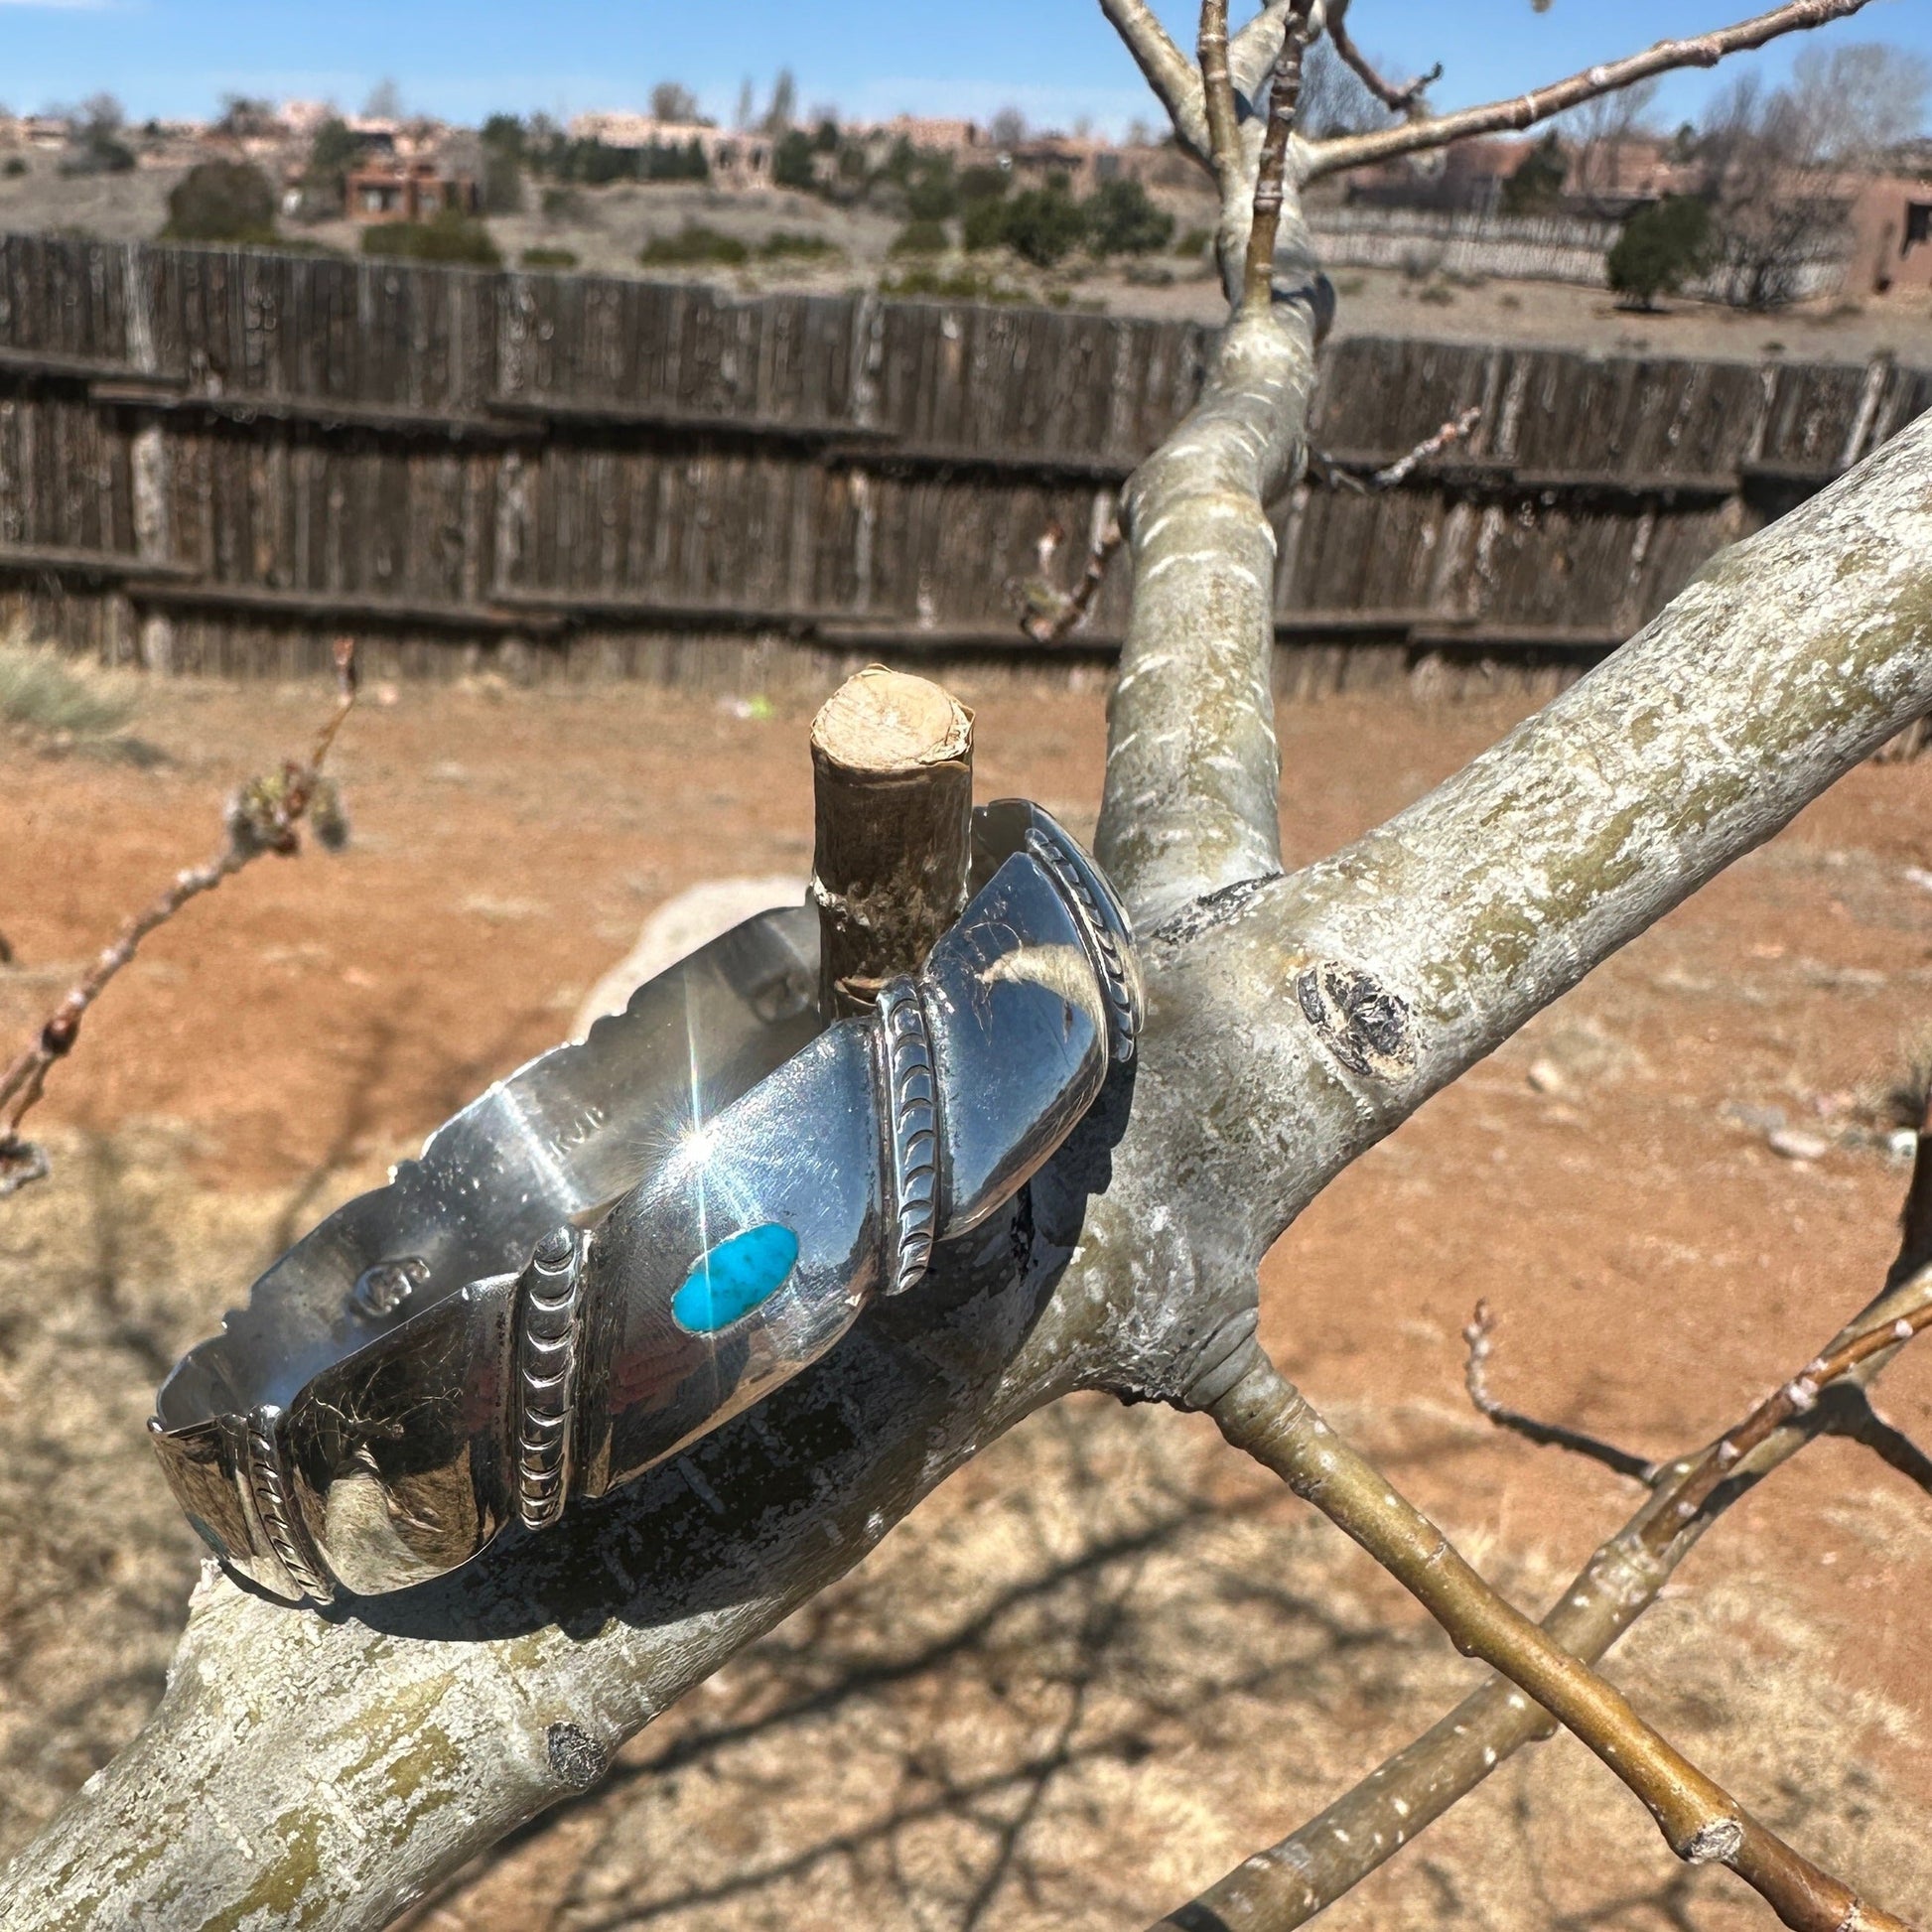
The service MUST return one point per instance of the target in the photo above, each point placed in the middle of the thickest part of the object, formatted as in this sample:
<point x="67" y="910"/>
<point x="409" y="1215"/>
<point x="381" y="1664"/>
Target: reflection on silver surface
<point x="630" y="1240"/>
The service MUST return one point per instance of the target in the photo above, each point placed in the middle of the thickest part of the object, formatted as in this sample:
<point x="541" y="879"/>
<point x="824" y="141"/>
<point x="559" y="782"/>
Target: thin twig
<point x="1068" y="610"/>
<point x="1546" y="1434"/>
<point x="1268" y="1418"/>
<point x="262" y="816"/>
<point x="1692" y="1491"/>
<point x="1455" y="430"/>
<point x="1406" y="99"/>
<point x="1524" y="111"/>
<point x="1224" y="127"/>
<point x="1286" y="1885"/>
<point x="1284" y="100"/>
<point x="1330" y="474"/>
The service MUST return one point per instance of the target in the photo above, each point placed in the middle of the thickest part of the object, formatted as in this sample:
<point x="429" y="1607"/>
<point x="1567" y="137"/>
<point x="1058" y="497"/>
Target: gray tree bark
<point x="324" y="1769"/>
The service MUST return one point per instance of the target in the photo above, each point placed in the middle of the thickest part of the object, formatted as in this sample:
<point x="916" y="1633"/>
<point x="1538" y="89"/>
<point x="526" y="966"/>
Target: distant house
<point x="931" y="133"/>
<point x="1466" y="178"/>
<point x="383" y="189"/>
<point x="736" y="160"/>
<point x="1891" y="233"/>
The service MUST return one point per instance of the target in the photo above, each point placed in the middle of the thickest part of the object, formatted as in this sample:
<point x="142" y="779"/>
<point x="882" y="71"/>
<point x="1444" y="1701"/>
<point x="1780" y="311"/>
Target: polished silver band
<point x="629" y="1240"/>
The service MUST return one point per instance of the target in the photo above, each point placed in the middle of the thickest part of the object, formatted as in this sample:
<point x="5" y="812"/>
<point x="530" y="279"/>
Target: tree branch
<point x="1525" y="111"/>
<point x="262" y="816"/>
<point x="1217" y="87"/>
<point x="1286" y="1885"/>
<point x="1368" y="981"/>
<point x="1254" y="49"/>
<point x="1269" y="1419"/>
<point x="1168" y="72"/>
<point x="1284" y="100"/>
<point x="1058" y="615"/>
<point x="1406" y="99"/>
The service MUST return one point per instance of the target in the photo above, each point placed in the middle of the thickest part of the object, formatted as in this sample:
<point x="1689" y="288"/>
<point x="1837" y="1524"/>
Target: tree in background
<point x="1600" y="134"/>
<point x="1335" y="99"/>
<point x="247" y="116"/>
<point x="96" y="143"/>
<point x="1778" y="161"/>
<point x="1008" y="128"/>
<point x="783" y="108"/>
<point x="795" y="161"/>
<point x="332" y="152"/>
<point x="1662" y="245"/>
<point x="384" y="102"/>
<point x="1121" y="218"/>
<point x="1536" y="185"/>
<point x="222" y="200"/>
<point x="671" y="101"/>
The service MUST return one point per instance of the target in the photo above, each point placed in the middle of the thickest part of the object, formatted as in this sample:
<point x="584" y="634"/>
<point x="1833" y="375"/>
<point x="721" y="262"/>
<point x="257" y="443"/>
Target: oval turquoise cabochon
<point x="733" y="1277"/>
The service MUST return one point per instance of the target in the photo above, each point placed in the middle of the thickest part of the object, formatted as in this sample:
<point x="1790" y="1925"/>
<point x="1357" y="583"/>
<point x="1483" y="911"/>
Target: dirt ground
<point x="604" y="227"/>
<point x="1106" y="1661"/>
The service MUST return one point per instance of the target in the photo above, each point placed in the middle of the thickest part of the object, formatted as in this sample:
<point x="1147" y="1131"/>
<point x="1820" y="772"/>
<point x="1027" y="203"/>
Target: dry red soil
<point x="1214" y="1673"/>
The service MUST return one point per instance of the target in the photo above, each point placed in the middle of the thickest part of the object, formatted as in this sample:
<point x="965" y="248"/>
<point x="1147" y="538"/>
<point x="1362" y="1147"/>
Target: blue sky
<point x="1056" y="59"/>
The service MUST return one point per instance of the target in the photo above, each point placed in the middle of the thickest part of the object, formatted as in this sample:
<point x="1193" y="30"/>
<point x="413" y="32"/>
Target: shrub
<point x="503" y="181"/>
<point x="42" y="693"/>
<point x="548" y="258"/>
<point x="1662" y="247"/>
<point x="921" y="238"/>
<point x="693" y="243"/>
<point x="985" y="183"/>
<point x="332" y="154"/>
<point x="790" y="244"/>
<point x="597" y="163"/>
<point x="932" y="195"/>
<point x="504" y="134"/>
<point x="985" y="225"/>
<point x="676" y="164"/>
<point x="1537" y="185"/>
<point x="1122" y="220"/>
<point x="794" y="161"/>
<point x="1043" y="225"/>
<point x="449" y="237"/>
<point x="1194" y="243"/>
<point x="15" y="168"/>
<point x="222" y="200"/>
<point x="956" y="284"/>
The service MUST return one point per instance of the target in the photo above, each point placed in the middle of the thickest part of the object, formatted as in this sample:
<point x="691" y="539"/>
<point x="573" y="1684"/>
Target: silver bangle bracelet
<point x="630" y="1240"/>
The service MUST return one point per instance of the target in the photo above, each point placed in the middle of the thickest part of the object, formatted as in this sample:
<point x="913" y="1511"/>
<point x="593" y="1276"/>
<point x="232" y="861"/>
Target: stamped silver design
<point x="268" y="1487"/>
<point x="1116" y="979"/>
<point x="547" y="1295"/>
<point x="381" y="1291"/>
<point x="630" y="1240"/>
<point x="911" y="1132"/>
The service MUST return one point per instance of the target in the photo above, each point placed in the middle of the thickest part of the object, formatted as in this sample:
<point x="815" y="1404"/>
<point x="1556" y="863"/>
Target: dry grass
<point x="62" y="700"/>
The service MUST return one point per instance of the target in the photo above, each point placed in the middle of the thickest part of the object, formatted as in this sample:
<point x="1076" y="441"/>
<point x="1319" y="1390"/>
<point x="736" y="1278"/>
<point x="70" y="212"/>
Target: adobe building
<point x="1891" y="236"/>
<point x="383" y="189"/>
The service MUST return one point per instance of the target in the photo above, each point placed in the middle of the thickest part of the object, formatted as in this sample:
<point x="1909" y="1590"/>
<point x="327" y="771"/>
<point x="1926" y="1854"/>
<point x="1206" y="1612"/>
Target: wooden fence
<point x="216" y="459"/>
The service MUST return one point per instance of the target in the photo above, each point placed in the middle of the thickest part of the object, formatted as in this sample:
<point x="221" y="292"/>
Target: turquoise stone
<point x="733" y="1277"/>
